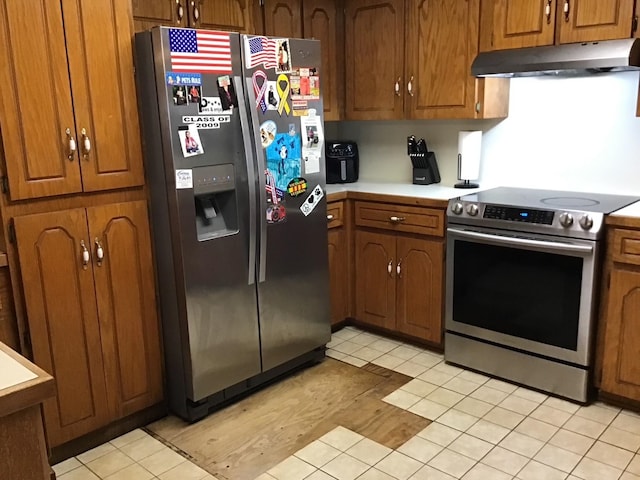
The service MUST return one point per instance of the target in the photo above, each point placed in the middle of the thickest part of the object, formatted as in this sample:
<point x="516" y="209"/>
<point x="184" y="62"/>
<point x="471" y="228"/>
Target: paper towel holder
<point x="469" y="150"/>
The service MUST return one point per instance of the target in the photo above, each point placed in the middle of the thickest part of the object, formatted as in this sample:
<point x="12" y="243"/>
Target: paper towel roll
<point x="469" y="150"/>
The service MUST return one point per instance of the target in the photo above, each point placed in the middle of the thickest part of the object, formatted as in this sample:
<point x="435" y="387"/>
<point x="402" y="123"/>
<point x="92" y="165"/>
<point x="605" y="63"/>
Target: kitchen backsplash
<point x="562" y="133"/>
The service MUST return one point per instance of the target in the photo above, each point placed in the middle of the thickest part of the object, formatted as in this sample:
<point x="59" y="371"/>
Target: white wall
<point x="562" y="133"/>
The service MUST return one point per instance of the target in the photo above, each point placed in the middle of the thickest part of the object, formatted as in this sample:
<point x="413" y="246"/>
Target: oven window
<point x="522" y="293"/>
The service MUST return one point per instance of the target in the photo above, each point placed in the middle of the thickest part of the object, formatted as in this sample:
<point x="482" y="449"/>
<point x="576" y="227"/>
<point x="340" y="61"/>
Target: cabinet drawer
<point x="335" y="214"/>
<point x="626" y="246"/>
<point x="400" y="218"/>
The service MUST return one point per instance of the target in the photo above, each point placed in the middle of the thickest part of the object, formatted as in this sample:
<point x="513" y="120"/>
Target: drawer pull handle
<point x="99" y="252"/>
<point x="394" y="219"/>
<point x="72" y="144"/>
<point x="329" y="217"/>
<point x="86" y="144"/>
<point x="399" y="269"/>
<point x="390" y="268"/>
<point x="85" y="255"/>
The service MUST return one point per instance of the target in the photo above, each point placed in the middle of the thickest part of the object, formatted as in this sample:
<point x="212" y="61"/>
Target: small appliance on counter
<point x="425" y="166"/>
<point x="469" y="152"/>
<point x="342" y="161"/>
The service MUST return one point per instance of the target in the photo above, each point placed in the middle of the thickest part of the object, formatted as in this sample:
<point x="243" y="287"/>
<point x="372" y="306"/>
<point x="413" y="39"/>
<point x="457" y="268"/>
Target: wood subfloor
<point x="249" y="437"/>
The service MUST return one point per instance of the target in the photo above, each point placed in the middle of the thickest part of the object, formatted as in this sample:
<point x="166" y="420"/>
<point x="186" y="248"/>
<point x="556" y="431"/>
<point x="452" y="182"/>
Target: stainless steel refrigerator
<point x="233" y="141"/>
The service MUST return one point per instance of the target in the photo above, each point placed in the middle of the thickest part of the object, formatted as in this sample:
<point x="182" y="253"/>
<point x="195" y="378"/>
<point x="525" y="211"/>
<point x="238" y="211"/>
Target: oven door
<point x="529" y="292"/>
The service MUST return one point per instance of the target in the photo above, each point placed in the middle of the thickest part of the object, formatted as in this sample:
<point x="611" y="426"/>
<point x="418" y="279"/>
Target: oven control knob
<point x="472" y="209"/>
<point x="566" y="219"/>
<point x="586" y="221"/>
<point x="456" y="208"/>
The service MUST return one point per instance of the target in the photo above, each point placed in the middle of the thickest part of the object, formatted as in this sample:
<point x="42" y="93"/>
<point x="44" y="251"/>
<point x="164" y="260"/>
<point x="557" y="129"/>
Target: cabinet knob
<point x="86" y="144"/>
<point x="399" y="268"/>
<point x="329" y="217"/>
<point x="394" y="219"/>
<point x="99" y="252"/>
<point x="390" y="268"/>
<point x="566" y="9"/>
<point x="85" y="255"/>
<point x="397" y="87"/>
<point x="195" y="11"/>
<point x="410" y="86"/>
<point x="179" y="11"/>
<point x="547" y="11"/>
<point x="72" y="144"/>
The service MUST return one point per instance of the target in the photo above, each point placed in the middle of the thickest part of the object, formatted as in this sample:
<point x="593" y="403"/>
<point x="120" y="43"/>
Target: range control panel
<point x="525" y="215"/>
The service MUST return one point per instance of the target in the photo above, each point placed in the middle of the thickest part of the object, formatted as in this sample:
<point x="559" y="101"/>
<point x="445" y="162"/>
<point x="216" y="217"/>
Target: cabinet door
<point x="591" y="20"/>
<point x="125" y="291"/>
<point x="232" y="15"/>
<point x="149" y="13"/>
<point x="35" y="101"/>
<point x="518" y="23"/>
<point x="283" y="18"/>
<point x="323" y="22"/>
<point x="61" y="307"/>
<point x="441" y="32"/>
<point x="374" y="59"/>
<point x="338" y="274"/>
<point x="99" y="48"/>
<point x="419" y="290"/>
<point x="375" y="278"/>
<point x="621" y="369"/>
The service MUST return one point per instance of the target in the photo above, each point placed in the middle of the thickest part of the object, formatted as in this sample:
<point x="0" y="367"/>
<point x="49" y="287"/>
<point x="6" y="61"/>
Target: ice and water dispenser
<point x="214" y="191"/>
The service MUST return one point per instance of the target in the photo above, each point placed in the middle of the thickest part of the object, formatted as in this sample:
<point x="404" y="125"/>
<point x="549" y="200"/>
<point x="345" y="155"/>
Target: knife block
<point x="425" y="168"/>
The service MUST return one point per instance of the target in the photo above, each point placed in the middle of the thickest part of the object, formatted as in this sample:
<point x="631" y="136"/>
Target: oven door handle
<point x="524" y="242"/>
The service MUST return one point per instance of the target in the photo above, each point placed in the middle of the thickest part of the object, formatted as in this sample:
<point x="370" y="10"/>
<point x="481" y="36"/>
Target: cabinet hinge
<point x="4" y="184"/>
<point x="12" y="232"/>
<point x="634" y="24"/>
<point x="478" y="107"/>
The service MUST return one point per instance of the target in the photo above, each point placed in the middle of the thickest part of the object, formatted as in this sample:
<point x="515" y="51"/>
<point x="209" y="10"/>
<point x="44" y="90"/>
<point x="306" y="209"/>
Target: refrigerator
<point x="234" y="157"/>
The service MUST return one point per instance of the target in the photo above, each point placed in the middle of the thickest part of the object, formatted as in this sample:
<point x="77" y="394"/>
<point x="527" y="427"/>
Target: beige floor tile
<point x="421" y="449"/>
<point x="474" y="407"/>
<point x="439" y="434"/>
<point x="484" y="472"/>
<point x="459" y="385"/>
<point x="550" y="415"/>
<point x="435" y="377"/>
<point x="538" y="471"/>
<point x="410" y="369"/>
<point x="367" y="353"/>
<point x="537" y="429"/>
<point x="184" y="471"/>
<point x="426" y="359"/>
<point x="419" y="387"/>
<point x="127" y="438"/>
<point x="628" y="422"/>
<point x="430" y="473"/>
<point x="402" y="399"/>
<point x="66" y="466"/>
<point x="385" y="346"/>
<point x="589" y="469"/>
<point x="574" y="442"/>
<point x="374" y="474"/>
<point x="132" y="472"/>
<point x="458" y="420"/>
<point x="95" y="453"/>
<point x="347" y="347"/>
<point x="505" y="460"/>
<point x="504" y="418"/>
<point x="597" y="413"/>
<point x="80" y="473"/>
<point x="621" y="438"/>
<point x="404" y="352"/>
<point x="398" y="465"/>
<point x="489" y="395"/>
<point x="368" y="451"/>
<point x="452" y="463"/>
<point x="428" y="409"/>
<point x="530" y="394"/>
<point x="161" y="461"/>
<point x="292" y="468"/>
<point x="341" y="438"/>
<point x="109" y="463"/>
<point x="561" y="404"/>
<point x="335" y="341"/>
<point x="345" y="467"/>
<point x="611" y="455"/>
<point x="143" y="447"/>
<point x="629" y="476"/>
<point x="364" y="339"/>
<point x="387" y="361"/>
<point x="345" y="333"/>
<point x="634" y="466"/>
<point x="356" y="362"/>
<point x="317" y="453"/>
<point x="518" y="404"/>
<point x="445" y="397"/>
<point x="471" y="447"/>
<point x="557" y="457"/>
<point x="501" y="385"/>
<point x="488" y="431"/>
<point x="474" y="377"/>
<point x="522" y="444"/>
<point x="584" y="426"/>
<point x="334" y="354"/>
<point x="448" y="369"/>
<point x="319" y="475"/>
<point x="265" y="476"/>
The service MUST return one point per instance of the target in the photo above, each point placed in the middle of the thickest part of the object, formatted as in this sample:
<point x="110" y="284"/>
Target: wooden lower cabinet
<point x="90" y="300"/>
<point x="338" y="274"/>
<point x="399" y="283"/>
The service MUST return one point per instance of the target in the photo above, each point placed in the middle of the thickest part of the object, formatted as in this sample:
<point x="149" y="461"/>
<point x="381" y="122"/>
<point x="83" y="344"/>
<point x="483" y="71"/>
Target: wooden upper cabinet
<point x="374" y="59"/>
<point x="63" y="322"/>
<point x="231" y="15"/>
<point x="283" y="18"/>
<point x="149" y="13"/>
<point x="323" y="21"/>
<point x="592" y="20"/>
<point x="126" y="305"/>
<point x="70" y="114"/>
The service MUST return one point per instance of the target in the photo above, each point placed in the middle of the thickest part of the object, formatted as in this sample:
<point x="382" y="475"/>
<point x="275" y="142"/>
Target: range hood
<point x="569" y="59"/>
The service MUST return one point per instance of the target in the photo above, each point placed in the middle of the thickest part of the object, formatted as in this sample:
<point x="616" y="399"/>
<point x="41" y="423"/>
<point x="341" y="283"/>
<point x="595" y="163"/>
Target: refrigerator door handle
<point x="262" y="192"/>
<point x="251" y="178"/>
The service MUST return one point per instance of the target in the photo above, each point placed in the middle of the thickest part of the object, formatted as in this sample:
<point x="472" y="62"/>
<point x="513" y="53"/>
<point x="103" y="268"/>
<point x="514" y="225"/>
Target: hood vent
<point x="569" y="59"/>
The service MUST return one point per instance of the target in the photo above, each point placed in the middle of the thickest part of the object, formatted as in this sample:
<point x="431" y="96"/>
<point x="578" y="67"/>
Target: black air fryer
<point x="342" y="161"/>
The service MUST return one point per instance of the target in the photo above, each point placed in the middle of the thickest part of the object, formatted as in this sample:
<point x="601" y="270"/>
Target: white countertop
<point x="12" y="373"/>
<point x="433" y="191"/>
<point x="632" y="210"/>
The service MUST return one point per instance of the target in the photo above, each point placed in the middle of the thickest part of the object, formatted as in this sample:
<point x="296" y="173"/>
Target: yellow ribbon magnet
<point x="283" y="93"/>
